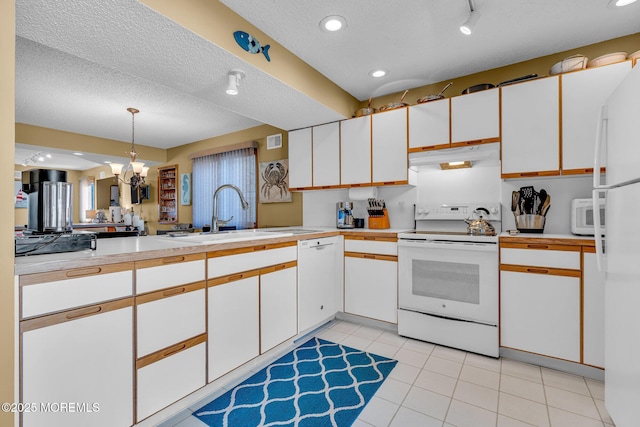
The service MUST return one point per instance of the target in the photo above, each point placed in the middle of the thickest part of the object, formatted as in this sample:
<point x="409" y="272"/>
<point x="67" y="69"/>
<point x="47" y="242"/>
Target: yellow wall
<point x="269" y="214"/>
<point x="7" y="139"/>
<point x="539" y="66"/>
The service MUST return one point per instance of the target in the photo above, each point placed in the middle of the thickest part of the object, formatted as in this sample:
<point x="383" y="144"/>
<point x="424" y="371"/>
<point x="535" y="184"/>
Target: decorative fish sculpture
<point x="251" y="45"/>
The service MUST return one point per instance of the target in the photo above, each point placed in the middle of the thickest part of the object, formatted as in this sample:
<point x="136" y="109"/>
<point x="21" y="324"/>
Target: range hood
<point x="487" y="153"/>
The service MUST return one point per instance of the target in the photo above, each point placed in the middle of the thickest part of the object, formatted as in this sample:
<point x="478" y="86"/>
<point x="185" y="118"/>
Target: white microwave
<point x="582" y="218"/>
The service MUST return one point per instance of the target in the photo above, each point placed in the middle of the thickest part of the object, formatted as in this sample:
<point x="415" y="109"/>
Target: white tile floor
<point x="444" y="387"/>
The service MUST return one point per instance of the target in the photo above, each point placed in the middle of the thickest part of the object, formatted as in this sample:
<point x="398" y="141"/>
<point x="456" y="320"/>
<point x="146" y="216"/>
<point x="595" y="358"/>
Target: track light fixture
<point x="470" y="23"/>
<point x="234" y="81"/>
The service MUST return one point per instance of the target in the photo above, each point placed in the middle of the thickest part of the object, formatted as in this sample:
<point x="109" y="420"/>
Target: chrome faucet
<point x="215" y="221"/>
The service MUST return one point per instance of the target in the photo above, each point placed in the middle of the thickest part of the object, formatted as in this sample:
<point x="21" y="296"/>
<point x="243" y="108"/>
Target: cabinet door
<point x="429" y="125"/>
<point x="278" y="307"/>
<point x="300" y="158"/>
<point x="475" y="117"/>
<point x="233" y="324"/>
<point x="169" y="379"/>
<point x="167" y="317"/>
<point x="88" y="361"/>
<point x="389" y="147"/>
<point x="593" y="280"/>
<point x="540" y="313"/>
<point x="371" y="287"/>
<point x="531" y="128"/>
<point x="355" y="151"/>
<point x="583" y="94"/>
<point x="326" y="155"/>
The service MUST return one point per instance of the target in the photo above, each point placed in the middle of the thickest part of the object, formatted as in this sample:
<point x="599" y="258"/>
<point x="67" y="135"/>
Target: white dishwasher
<point x="319" y="280"/>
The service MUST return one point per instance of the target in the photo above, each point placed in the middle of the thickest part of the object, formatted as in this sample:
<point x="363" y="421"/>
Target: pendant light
<point x="138" y="168"/>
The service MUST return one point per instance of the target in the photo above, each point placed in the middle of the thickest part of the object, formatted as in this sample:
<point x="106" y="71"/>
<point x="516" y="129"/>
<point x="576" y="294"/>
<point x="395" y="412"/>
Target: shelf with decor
<point x="168" y="194"/>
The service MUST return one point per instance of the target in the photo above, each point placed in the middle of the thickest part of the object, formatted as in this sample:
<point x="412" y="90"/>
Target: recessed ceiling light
<point x="107" y="162"/>
<point x="378" y="73"/>
<point x="620" y="3"/>
<point x="78" y="154"/>
<point x="333" y="23"/>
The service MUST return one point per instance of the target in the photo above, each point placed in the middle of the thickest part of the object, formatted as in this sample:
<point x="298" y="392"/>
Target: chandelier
<point x="138" y="168"/>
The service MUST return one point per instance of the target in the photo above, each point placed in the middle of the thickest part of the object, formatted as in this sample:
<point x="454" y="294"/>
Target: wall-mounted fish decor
<point x="250" y="44"/>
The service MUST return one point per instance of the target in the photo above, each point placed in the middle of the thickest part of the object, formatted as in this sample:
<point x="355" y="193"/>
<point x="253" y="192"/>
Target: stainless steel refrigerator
<point x="619" y="135"/>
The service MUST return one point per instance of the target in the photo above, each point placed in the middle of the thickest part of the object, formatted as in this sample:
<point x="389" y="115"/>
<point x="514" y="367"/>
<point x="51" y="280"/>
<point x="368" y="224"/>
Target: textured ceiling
<point x="418" y="41"/>
<point x="80" y="64"/>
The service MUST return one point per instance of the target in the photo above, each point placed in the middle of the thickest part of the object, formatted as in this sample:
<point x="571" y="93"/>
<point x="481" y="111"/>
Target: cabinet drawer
<point x="167" y="272"/>
<point x="44" y="293"/>
<point x="249" y="259"/>
<point x="370" y="246"/>
<point x="554" y="257"/>
<point x="165" y="321"/>
<point x="170" y="379"/>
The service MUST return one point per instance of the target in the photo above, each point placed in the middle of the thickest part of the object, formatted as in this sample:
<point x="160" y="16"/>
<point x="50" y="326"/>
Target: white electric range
<point x="448" y="279"/>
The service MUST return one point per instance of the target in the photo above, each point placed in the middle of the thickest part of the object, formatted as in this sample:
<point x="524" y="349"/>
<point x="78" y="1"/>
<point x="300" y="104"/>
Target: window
<point x="87" y="198"/>
<point x="237" y="167"/>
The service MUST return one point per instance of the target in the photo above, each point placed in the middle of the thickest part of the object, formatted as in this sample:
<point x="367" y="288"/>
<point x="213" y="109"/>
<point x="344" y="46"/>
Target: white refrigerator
<point x="619" y="134"/>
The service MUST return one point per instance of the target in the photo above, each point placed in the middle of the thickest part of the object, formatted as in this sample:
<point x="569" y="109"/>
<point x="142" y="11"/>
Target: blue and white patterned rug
<point x="319" y="384"/>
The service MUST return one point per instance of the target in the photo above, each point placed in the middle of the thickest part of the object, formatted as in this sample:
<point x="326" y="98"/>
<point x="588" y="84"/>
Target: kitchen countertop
<point x="126" y="249"/>
<point x="547" y="239"/>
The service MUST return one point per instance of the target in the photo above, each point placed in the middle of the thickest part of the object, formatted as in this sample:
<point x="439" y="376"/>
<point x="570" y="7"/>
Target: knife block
<point x="379" y="221"/>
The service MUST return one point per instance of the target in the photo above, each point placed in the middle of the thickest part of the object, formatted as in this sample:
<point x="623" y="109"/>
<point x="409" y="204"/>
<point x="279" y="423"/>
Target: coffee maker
<point x="50" y="199"/>
<point x="344" y="215"/>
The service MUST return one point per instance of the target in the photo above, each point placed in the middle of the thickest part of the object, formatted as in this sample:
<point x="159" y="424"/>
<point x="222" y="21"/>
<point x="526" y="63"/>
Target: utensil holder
<point x="530" y="223"/>
<point x="379" y="221"/>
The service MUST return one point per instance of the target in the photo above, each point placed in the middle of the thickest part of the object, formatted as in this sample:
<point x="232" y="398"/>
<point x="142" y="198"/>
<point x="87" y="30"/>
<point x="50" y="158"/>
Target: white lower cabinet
<point x="233" y="323"/>
<point x="77" y="366"/>
<point x="278" y="305"/>
<point x="593" y="324"/>
<point x="179" y="371"/>
<point x="540" y="313"/>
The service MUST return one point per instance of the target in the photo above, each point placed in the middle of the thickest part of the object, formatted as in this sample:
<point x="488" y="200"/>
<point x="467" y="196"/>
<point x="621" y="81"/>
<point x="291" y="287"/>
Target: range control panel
<point x="489" y="211"/>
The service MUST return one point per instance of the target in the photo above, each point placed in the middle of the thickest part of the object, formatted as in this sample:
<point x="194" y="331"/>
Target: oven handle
<point x="466" y="246"/>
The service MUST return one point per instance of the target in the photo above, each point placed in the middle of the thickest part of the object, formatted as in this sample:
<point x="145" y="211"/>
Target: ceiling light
<point x="333" y="23"/>
<point x="78" y="154"/>
<point x="117" y="168"/>
<point x="620" y="3"/>
<point x="234" y="77"/>
<point x="378" y="73"/>
<point x="470" y="23"/>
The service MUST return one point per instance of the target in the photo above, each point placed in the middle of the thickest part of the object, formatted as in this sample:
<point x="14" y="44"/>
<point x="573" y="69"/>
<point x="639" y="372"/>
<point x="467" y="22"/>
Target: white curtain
<point x="86" y="197"/>
<point x="236" y="167"/>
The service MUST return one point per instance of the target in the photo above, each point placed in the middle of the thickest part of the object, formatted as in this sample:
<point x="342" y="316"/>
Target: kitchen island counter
<point x="125" y="249"/>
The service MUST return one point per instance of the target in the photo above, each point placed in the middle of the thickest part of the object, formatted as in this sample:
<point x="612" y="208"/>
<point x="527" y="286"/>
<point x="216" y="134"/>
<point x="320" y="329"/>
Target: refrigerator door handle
<point x="601" y="130"/>
<point x="601" y="259"/>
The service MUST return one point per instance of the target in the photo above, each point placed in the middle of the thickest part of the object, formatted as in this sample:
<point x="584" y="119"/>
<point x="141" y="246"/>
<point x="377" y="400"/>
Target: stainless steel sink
<point x="226" y="237"/>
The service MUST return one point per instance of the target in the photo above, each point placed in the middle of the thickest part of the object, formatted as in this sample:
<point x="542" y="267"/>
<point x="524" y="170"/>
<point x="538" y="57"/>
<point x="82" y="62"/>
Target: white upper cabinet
<point x="583" y="93"/>
<point x="429" y="125"/>
<point x="475" y="118"/>
<point x="531" y="128"/>
<point x="326" y="155"/>
<point x="355" y="151"/>
<point x="300" y="158"/>
<point x="389" y="147"/>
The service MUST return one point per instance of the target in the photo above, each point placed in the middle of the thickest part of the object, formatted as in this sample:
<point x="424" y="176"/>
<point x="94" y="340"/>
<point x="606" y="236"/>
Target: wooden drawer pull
<point x="533" y="246"/>
<point x="172" y="260"/>
<point x="236" y="277"/>
<point x="175" y="350"/>
<point x="83" y="272"/>
<point x="259" y="248"/>
<point x="538" y="270"/>
<point x="171" y="292"/>
<point x="529" y="174"/>
<point x="369" y="256"/>
<point x="369" y="238"/>
<point x="280" y="267"/>
<point x="82" y="313"/>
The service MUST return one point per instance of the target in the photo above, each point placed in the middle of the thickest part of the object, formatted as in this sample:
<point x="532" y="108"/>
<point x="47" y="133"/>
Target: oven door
<point x="458" y="280"/>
